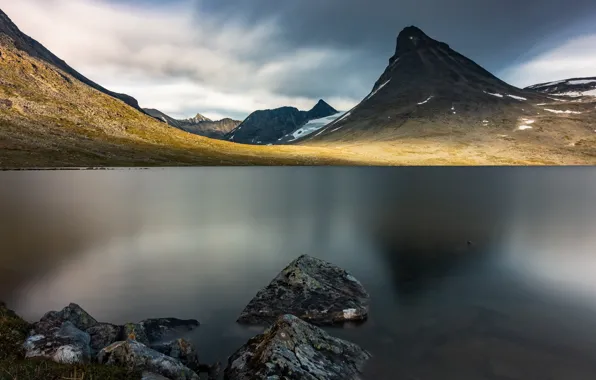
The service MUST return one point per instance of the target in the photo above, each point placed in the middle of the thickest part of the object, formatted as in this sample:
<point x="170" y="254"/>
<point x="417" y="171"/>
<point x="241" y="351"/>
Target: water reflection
<point x="199" y="243"/>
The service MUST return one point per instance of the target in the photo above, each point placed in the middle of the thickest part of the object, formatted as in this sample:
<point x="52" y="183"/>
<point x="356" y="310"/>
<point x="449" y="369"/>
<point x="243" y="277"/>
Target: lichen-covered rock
<point x="53" y="320"/>
<point x="182" y="350"/>
<point x="134" y="355"/>
<point x="313" y="290"/>
<point x="135" y="331"/>
<point x="68" y="345"/>
<point x="158" y="330"/>
<point x="293" y="349"/>
<point x="104" y="334"/>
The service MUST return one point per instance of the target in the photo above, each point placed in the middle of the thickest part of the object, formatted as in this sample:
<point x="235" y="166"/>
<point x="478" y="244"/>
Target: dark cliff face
<point x="427" y="80"/>
<point x="37" y="50"/>
<point x="269" y="126"/>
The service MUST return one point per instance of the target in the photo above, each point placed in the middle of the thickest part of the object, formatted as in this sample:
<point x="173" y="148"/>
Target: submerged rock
<point x="136" y="356"/>
<point x="182" y="350"/>
<point x="53" y="320"/>
<point x="293" y="349"/>
<point x="67" y="345"/>
<point x="104" y="334"/>
<point x="158" y="330"/>
<point x="312" y="289"/>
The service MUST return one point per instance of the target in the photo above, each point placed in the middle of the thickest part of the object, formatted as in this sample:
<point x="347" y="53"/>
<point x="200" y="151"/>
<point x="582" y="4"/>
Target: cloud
<point x="230" y="57"/>
<point x="177" y="58"/>
<point x="574" y="58"/>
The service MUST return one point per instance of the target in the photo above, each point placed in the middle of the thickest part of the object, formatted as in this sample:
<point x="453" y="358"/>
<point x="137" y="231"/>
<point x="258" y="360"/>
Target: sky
<point x="227" y="58"/>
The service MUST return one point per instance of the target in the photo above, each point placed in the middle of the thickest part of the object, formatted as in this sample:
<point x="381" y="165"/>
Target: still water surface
<point x="517" y="303"/>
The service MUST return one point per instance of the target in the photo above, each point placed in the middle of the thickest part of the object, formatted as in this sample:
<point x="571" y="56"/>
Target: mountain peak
<point x="412" y="39"/>
<point x="321" y="109"/>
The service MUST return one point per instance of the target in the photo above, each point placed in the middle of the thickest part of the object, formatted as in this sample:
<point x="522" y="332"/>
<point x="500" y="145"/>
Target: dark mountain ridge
<point x="575" y="87"/>
<point x="269" y="126"/>
<point x="199" y="125"/>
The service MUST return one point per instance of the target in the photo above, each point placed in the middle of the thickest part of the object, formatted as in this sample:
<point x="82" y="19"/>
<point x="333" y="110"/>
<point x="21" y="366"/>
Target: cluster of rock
<point x="308" y="292"/>
<point x="73" y="336"/>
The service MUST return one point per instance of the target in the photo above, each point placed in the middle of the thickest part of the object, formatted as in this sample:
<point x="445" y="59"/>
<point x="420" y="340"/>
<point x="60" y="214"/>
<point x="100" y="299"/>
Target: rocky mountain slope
<point x="35" y="50"/>
<point x="427" y="80"/>
<point x="199" y="125"/>
<point x="270" y="126"/>
<point x="51" y="116"/>
<point x="575" y="87"/>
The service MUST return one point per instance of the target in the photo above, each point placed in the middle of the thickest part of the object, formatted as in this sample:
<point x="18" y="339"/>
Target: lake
<point x="474" y="273"/>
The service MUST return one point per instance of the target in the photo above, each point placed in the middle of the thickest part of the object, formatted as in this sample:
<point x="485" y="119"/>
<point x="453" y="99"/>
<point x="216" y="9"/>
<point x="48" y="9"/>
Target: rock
<point x="182" y="350"/>
<point x="53" y="320"/>
<point x="5" y="103"/>
<point x="152" y="376"/>
<point x="313" y="290"/>
<point x="104" y="334"/>
<point x="67" y="345"/>
<point x="161" y="329"/>
<point x="212" y="371"/>
<point x="158" y="330"/>
<point x="134" y="355"/>
<point x="293" y="349"/>
<point x="135" y="331"/>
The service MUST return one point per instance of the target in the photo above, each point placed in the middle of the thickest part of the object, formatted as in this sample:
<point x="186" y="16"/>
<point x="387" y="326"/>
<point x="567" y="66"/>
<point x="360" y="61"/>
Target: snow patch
<point x="350" y="313"/>
<point x="426" y="101"/>
<point x="377" y="90"/>
<point x="528" y="121"/>
<point x="524" y="127"/>
<point x="517" y="97"/>
<point x="582" y="81"/>
<point x="497" y="95"/>
<point x="559" y="111"/>
<point x="333" y="130"/>
<point x="313" y="126"/>
<point x="485" y="121"/>
<point x="547" y="84"/>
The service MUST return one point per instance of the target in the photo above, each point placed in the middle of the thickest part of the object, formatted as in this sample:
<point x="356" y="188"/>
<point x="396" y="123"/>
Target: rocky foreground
<point x="71" y="344"/>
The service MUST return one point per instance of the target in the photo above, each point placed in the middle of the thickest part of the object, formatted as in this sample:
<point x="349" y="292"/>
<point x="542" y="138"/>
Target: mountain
<point x="270" y="126"/>
<point x="35" y="50"/>
<point x="427" y="81"/>
<point x="199" y="125"/>
<point x="574" y="87"/>
<point x="51" y="116"/>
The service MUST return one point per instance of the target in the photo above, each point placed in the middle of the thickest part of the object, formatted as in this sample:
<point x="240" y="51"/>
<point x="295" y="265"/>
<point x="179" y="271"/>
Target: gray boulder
<point x="67" y="345"/>
<point x="104" y="334"/>
<point x="313" y="290"/>
<point x="53" y="320"/>
<point x="181" y="350"/>
<point x="152" y="376"/>
<point x="134" y="355"/>
<point x="292" y="349"/>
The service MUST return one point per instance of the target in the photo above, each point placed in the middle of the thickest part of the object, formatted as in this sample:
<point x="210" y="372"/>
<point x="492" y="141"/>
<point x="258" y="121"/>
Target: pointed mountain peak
<point x="321" y="109"/>
<point x="412" y="39"/>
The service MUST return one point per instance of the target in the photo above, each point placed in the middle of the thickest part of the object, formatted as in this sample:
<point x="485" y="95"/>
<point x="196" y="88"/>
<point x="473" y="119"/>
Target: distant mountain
<point x="35" y="50"/>
<point x="427" y="81"/>
<point x="270" y="126"/>
<point x="199" y="125"/>
<point x="574" y="87"/>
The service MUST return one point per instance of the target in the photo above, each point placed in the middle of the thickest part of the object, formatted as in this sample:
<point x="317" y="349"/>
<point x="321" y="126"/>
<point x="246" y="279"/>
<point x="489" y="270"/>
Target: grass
<point x="13" y="365"/>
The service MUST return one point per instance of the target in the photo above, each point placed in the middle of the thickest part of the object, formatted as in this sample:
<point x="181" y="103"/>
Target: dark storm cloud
<point x="494" y="33"/>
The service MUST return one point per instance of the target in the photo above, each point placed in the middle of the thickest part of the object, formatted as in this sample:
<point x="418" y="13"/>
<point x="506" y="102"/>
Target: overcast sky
<point x="227" y="58"/>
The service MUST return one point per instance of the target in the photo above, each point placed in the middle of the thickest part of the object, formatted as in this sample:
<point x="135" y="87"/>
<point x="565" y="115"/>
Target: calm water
<point x="519" y="303"/>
